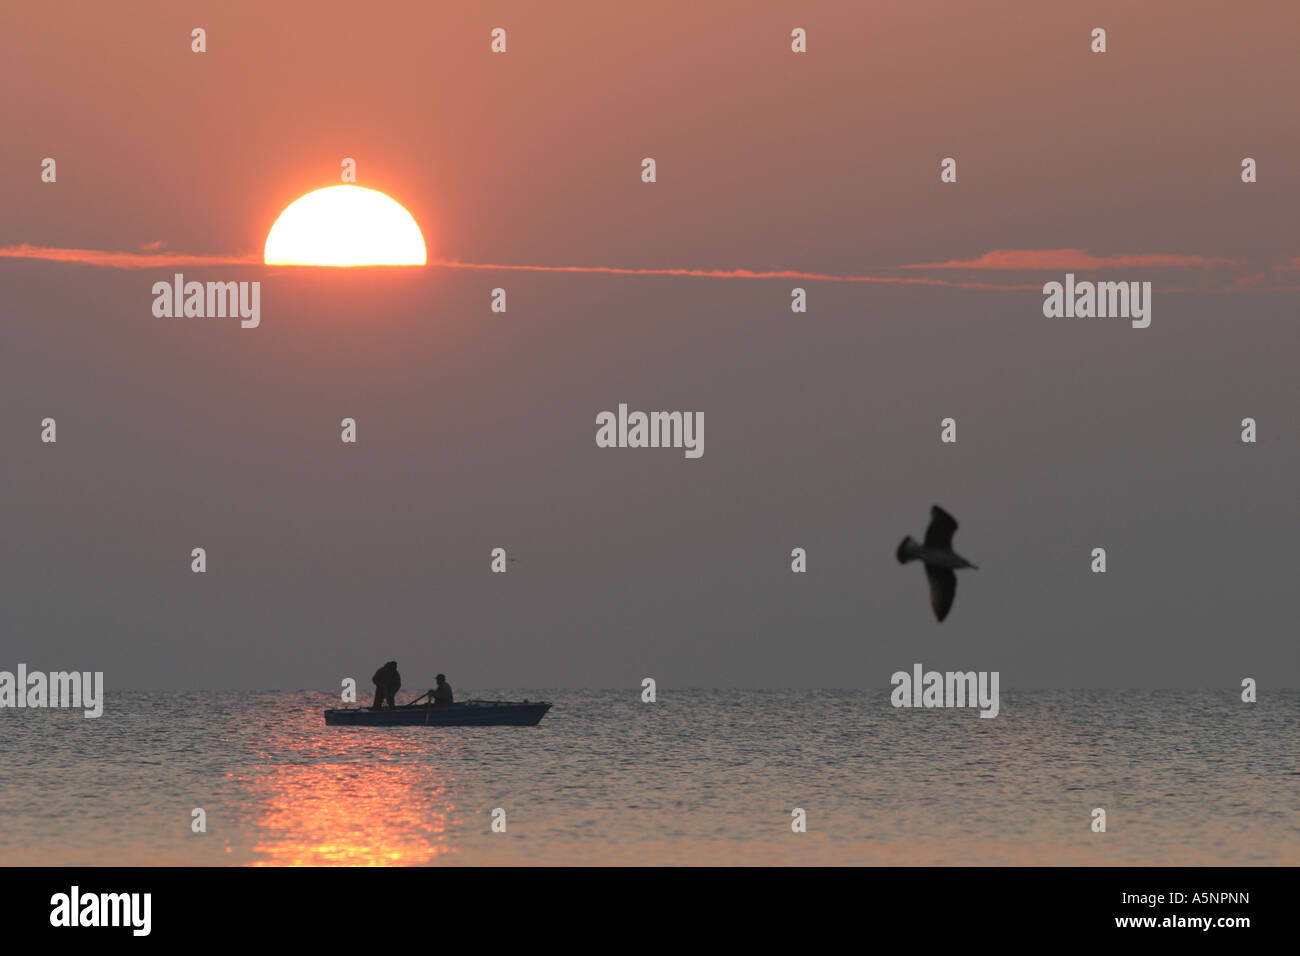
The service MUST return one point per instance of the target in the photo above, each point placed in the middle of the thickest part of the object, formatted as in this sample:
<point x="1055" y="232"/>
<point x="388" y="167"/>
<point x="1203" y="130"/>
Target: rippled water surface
<point x="697" y="777"/>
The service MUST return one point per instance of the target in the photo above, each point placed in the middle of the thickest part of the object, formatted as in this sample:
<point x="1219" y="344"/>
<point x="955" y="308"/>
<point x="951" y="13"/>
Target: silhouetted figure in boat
<point x="441" y="695"/>
<point x="387" y="683"/>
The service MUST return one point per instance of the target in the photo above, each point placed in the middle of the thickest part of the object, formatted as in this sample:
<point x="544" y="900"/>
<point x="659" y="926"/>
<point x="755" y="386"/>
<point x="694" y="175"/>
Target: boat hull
<point x="468" y="714"/>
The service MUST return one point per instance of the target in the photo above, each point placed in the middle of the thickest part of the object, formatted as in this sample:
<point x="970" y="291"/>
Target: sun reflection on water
<point x="352" y="798"/>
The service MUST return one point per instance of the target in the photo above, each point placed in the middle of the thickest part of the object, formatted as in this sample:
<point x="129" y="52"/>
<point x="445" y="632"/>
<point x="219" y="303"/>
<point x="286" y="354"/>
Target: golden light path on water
<point x="350" y="797"/>
<point x="345" y="815"/>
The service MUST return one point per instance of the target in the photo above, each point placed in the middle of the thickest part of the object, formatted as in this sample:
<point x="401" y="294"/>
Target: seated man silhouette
<point x="387" y="683"/>
<point x="441" y="695"/>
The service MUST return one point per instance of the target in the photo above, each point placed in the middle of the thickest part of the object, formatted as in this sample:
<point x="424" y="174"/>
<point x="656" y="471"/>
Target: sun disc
<point x="345" y="226"/>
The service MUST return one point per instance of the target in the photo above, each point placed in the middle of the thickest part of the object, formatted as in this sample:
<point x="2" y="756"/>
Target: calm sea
<point x="699" y="777"/>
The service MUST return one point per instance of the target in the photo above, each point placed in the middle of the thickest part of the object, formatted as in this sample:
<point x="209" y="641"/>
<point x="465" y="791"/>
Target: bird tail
<point x="904" y="552"/>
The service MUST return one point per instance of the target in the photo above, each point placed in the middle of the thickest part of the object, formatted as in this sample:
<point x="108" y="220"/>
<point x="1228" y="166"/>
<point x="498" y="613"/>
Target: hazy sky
<point x="477" y="430"/>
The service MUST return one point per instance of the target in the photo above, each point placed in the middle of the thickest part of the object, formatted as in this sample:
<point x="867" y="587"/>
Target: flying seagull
<point x="941" y="561"/>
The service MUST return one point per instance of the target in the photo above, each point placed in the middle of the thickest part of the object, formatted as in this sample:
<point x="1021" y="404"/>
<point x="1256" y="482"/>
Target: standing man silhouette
<point x="387" y="683"/>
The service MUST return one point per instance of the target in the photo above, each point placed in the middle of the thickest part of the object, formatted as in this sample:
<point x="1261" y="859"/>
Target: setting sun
<point x="345" y="226"/>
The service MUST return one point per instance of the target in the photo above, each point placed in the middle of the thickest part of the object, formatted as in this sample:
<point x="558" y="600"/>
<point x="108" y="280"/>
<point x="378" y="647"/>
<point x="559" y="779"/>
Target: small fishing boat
<point x="468" y="713"/>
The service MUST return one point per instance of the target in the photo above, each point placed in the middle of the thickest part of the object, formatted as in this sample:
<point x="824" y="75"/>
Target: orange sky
<point x="477" y="428"/>
<point x="823" y="163"/>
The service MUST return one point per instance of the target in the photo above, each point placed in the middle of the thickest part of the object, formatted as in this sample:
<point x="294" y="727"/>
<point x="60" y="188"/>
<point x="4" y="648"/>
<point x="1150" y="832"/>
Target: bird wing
<point x="943" y="588"/>
<point x="940" y="532"/>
